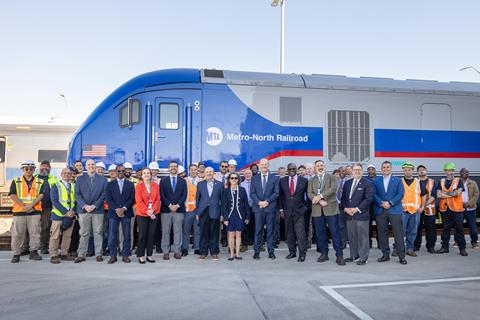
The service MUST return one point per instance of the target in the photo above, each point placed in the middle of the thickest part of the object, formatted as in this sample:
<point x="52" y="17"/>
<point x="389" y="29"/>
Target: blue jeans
<point x="471" y="217"/>
<point x="410" y="227"/>
<point x="113" y="236"/>
<point x="321" y="224"/>
<point x="263" y="218"/>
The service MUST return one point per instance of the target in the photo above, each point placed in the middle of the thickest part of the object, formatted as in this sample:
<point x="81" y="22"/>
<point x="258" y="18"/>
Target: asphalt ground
<point x="430" y="286"/>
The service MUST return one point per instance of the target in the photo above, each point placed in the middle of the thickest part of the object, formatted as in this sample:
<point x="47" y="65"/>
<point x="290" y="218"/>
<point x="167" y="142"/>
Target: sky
<point x="86" y="49"/>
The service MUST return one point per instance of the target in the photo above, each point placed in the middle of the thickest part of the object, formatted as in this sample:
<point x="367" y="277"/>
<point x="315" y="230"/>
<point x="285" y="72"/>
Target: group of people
<point x="105" y="215"/>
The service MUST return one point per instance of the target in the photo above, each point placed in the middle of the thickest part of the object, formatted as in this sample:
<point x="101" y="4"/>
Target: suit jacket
<point x="87" y="193"/>
<point x="362" y="197"/>
<point x="270" y="195"/>
<point x="394" y="194"/>
<point x="295" y="204"/>
<point x="228" y="205"/>
<point x="116" y="200"/>
<point x="328" y="190"/>
<point x="169" y="196"/>
<point x="213" y="202"/>
<point x="142" y="198"/>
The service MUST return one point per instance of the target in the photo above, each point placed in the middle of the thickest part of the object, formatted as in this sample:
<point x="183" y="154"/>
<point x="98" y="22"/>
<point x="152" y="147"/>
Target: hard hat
<point x="232" y="162"/>
<point x="449" y="166"/>
<point x="28" y="163"/>
<point x="128" y="165"/>
<point x="100" y="165"/>
<point x="408" y="164"/>
<point x="153" y="166"/>
<point x="371" y="166"/>
<point x="112" y="167"/>
<point x="181" y="169"/>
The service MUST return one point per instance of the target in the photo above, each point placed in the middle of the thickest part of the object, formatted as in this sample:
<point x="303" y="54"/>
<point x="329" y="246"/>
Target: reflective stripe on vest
<point x="412" y="199"/>
<point x="66" y="200"/>
<point x="190" y="203"/>
<point x="453" y="203"/>
<point x="430" y="209"/>
<point x="27" y="196"/>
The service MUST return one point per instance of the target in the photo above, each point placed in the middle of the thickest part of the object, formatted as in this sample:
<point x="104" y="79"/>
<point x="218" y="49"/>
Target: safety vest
<point x="412" y="199"/>
<point x="453" y="203"/>
<point x="190" y="203"/>
<point x="66" y="200"/>
<point x="430" y="209"/>
<point x="134" y="180"/>
<point x="27" y="196"/>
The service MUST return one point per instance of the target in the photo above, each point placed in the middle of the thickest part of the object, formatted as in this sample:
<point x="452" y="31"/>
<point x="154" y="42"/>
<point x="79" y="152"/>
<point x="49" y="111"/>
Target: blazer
<point x="362" y="197"/>
<point x="296" y="204"/>
<point x="115" y="199"/>
<point x="228" y="205"/>
<point x="90" y="194"/>
<point x="142" y="198"/>
<point x="169" y="196"/>
<point x="270" y="195"/>
<point x="393" y="194"/>
<point x="213" y="202"/>
<point x="329" y="192"/>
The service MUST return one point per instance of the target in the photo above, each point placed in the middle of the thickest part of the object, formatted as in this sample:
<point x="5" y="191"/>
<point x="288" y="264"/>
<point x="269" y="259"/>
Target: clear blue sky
<point x="85" y="49"/>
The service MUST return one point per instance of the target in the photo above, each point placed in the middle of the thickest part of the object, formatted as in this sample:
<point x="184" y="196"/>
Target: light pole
<point x="282" y="32"/>
<point x="67" y="105"/>
<point x="470" y="67"/>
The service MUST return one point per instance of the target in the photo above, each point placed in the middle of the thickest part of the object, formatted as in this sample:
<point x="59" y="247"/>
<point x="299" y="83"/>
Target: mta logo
<point x="214" y="136"/>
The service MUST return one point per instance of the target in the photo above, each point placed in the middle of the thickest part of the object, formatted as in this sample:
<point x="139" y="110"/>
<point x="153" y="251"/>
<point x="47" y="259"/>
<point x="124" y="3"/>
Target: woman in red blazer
<point x="147" y="198"/>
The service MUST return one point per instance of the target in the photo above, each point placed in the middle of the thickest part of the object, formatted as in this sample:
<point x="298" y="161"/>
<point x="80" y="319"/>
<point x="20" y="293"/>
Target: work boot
<point x="463" y="252"/>
<point x="34" y="255"/>
<point x="340" y="261"/>
<point x="55" y="260"/>
<point x="67" y="258"/>
<point x="15" y="258"/>
<point x="25" y="252"/>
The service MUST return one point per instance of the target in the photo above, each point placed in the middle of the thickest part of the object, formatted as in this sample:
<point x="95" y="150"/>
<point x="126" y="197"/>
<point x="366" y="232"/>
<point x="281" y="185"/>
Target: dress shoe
<point x="350" y="259"/>
<point x="196" y="252"/>
<point x="275" y="246"/>
<point x="215" y="257"/>
<point x="231" y="258"/>
<point x="301" y="259"/>
<point x="166" y="256"/>
<point x="158" y="250"/>
<point x="141" y="260"/>
<point x="55" y="260"/>
<point x="403" y="261"/>
<point x="291" y="256"/>
<point x="105" y="252"/>
<point x="112" y="260"/>
<point x="361" y="262"/>
<point x="184" y="252"/>
<point x="15" y="259"/>
<point x="431" y="250"/>
<point x="383" y="259"/>
<point x="442" y="250"/>
<point x="256" y="256"/>
<point x="238" y="258"/>
<point x="44" y="251"/>
<point x="272" y="256"/>
<point x="322" y="258"/>
<point x="177" y="256"/>
<point x="463" y="252"/>
<point x="35" y="256"/>
<point x="67" y="258"/>
<point x="411" y="253"/>
<point x="99" y="258"/>
<point x="340" y="261"/>
<point x="79" y="259"/>
<point x="126" y="259"/>
<point x="150" y="260"/>
<point x="394" y="253"/>
<point x="202" y="258"/>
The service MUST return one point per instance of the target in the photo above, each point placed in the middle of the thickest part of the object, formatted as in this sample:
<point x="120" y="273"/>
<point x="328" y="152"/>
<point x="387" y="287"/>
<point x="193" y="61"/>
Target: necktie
<point x="320" y="182"/>
<point x="120" y="185"/>
<point x="264" y="183"/>
<point x="355" y="182"/>
<point x="91" y="180"/>
<point x="174" y="183"/>
<point x="340" y="190"/>
<point x="210" y="188"/>
<point x="292" y="186"/>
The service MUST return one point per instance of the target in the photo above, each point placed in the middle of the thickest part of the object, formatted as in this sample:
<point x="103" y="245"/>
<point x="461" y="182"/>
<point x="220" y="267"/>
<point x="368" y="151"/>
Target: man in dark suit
<point x="120" y="198"/>
<point x="90" y="191"/>
<point x="264" y="194"/>
<point x="388" y="197"/>
<point x="293" y="189"/>
<point x="207" y="212"/>
<point x="173" y="192"/>
<point x="355" y="203"/>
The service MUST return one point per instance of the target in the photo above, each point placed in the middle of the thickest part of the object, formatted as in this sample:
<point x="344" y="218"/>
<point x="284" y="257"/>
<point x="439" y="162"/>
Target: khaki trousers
<point x="56" y="234"/>
<point x="20" y="226"/>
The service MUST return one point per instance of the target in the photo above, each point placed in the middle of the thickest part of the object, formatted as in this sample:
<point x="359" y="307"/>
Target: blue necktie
<point x="174" y="183"/>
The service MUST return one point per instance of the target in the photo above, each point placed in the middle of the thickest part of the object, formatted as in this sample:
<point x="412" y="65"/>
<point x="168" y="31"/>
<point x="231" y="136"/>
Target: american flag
<point x="95" y="150"/>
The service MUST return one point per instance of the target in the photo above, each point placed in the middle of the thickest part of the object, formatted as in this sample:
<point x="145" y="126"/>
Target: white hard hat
<point x="232" y="162"/>
<point x="181" y="169"/>
<point x="100" y="164"/>
<point x="28" y="163"/>
<point x="153" y="166"/>
<point x="112" y="167"/>
<point x="128" y="165"/>
<point x="371" y="166"/>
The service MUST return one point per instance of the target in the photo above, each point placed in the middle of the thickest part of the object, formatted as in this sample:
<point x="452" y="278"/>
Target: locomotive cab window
<point x="169" y="116"/>
<point x="130" y="113"/>
<point x="290" y="110"/>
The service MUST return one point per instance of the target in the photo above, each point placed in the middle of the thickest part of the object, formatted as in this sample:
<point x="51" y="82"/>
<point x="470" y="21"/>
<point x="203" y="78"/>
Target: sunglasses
<point x="29" y="169"/>
<point x="224" y="166"/>
<point x="234" y="178"/>
<point x="120" y="171"/>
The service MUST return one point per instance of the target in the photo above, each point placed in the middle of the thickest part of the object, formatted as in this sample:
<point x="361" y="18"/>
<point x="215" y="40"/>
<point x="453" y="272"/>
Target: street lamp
<point x="67" y="105"/>
<point x="470" y="67"/>
<point x="282" y="32"/>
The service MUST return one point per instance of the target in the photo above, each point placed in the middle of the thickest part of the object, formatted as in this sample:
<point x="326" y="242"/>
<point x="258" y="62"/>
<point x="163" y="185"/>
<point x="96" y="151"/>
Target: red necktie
<point x="292" y="186"/>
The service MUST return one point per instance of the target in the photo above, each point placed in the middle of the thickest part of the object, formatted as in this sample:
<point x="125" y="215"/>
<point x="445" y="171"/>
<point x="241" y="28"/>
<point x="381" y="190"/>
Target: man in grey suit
<point x="90" y="191"/>
<point x="322" y="192"/>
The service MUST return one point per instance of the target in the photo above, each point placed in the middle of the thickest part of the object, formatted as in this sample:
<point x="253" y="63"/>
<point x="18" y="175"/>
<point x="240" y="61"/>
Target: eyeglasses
<point x="234" y="178"/>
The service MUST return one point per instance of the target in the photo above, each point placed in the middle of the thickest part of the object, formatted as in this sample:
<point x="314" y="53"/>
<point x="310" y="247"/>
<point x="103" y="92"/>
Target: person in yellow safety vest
<point x="133" y="230"/>
<point x="26" y="193"/>
<point x="413" y="203"/>
<point x="428" y="216"/>
<point x="449" y="191"/>
<point x="189" y="220"/>
<point x="63" y="200"/>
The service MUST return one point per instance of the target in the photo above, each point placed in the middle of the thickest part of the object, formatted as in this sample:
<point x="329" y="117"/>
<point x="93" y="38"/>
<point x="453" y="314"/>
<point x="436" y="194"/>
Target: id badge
<point x="29" y="198"/>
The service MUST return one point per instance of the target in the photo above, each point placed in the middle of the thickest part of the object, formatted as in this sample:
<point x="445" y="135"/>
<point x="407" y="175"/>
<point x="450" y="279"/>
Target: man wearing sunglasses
<point x="26" y="193"/>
